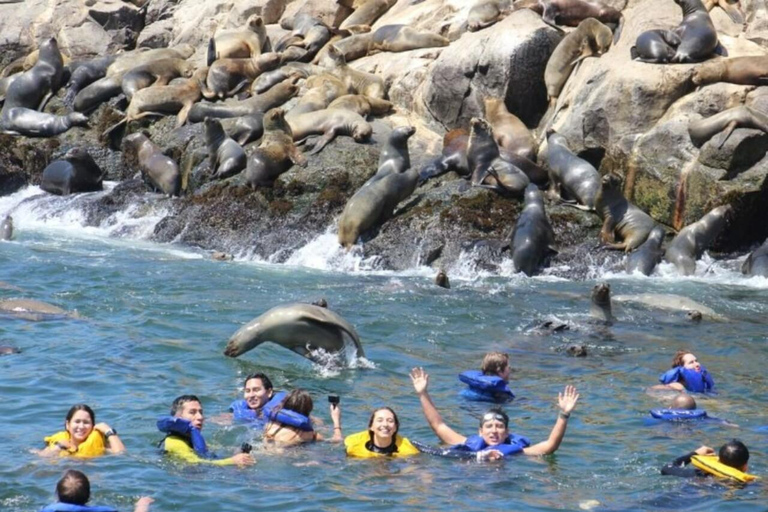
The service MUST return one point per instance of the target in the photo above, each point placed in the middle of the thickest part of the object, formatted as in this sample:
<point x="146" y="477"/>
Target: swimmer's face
<point x="193" y="412"/>
<point x="383" y="424"/>
<point x="80" y="426"/>
<point x="255" y="394"/>
<point x="691" y="363"/>
<point x="493" y="432"/>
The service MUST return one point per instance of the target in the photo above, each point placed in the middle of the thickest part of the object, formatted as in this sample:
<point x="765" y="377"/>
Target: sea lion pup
<point x="620" y="217"/>
<point x="267" y="80"/>
<point x="363" y="105"/>
<point x="321" y="90"/>
<point x="488" y="169"/>
<point x="31" y="123"/>
<point x="226" y="156"/>
<point x="694" y="239"/>
<point x="367" y="13"/>
<point x="698" y="37"/>
<point x="756" y="263"/>
<point x="329" y="123"/>
<point x="574" y="175"/>
<point x="600" y="305"/>
<point x="6" y="228"/>
<point x="648" y="255"/>
<point x="485" y="13"/>
<point x="655" y="46"/>
<point x="591" y="38"/>
<point x="35" y="87"/>
<point x="402" y="38"/>
<point x="357" y="82"/>
<point x="509" y="132"/>
<point x="533" y="237"/>
<point x="244" y="43"/>
<point x="731" y="8"/>
<point x="165" y="99"/>
<point x="160" y="171"/>
<point x="84" y="74"/>
<point x="453" y="156"/>
<point x="441" y="280"/>
<point x="155" y="73"/>
<point x="260" y="103"/>
<point x="276" y="153"/>
<point x="74" y="172"/>
<point x="737" y="70"/>
<point x="742" y="116"/>
<point x="299" y="327"/>
<point x="375" y="202"/>
<point x="227" y="77"/>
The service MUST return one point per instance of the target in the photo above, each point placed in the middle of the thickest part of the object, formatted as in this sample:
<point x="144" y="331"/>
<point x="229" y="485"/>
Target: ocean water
<point x="152" y="322"/>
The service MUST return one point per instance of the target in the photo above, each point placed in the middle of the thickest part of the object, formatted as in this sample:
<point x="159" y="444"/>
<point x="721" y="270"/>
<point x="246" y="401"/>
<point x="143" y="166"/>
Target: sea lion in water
<point x="698" y="37"/>
<point x="756" y="263"/>
<point x="575" y="175"/>
<point x="226" y="156"/>
<point x="356" y="81"/>
<point x="155" y="73"/>
<point x="751" y="70"/>
<point x="648" y="255"/>
<point x="694" y="239"/>
<point x="276" y="153"/>
<point x="159" y="170"/>
<point x="620" y="217"/>
<point x="74" y="172"/>
<point x="254" y="105"/>
<point x="591" y="38"/>
<point x="34" y="310"/>
<point x="244" y="43"/>
<point x="738" y="117"/>
<point x="301" y="328"/>
<point x="533" y="237"/>
<point x="441" y="280"/>
<point x="330" y="123"/>
<point x="367" y="13"/>
<point x="600" y="306"/>
<point x="31" y="123"/>
<point x="669" y="302"/>
<point x="509" y="132"/>
<point x="375" y="202"/>
<point x="5" y="350"/>
<point x="488" y="169"/>
<point x="485" y="13"/>
<point x="6" y="228"/>
<point x="657" y="46"/>
<point x="226" y="77"/>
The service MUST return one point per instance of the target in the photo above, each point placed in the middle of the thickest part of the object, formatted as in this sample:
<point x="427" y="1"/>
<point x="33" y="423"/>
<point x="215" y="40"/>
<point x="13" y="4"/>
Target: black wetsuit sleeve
<point x="681" y="466"/>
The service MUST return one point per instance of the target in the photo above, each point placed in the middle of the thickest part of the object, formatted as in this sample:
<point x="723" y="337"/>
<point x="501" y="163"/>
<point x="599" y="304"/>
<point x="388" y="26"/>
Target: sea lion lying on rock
<point x="329" y="123"/>
<point x="738" y="117"/>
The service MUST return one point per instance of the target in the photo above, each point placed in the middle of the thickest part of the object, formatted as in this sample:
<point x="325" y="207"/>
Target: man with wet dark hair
<point x="74" y="489"/>
<point x="731" y="462"/>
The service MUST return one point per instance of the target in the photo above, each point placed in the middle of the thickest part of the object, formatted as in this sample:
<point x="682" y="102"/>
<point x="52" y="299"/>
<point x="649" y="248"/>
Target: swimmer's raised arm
<point x="142" y="504"/>
<point x="566" y="401"/>
<point x="114" y="443"/>
<point x="420" y="380"/>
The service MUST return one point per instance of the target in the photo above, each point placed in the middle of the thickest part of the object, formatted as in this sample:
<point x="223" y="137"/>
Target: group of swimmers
<point x="285" y="419"/>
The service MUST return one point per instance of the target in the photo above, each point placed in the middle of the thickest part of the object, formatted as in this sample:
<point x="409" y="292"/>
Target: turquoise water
<point x="154" y="319"/>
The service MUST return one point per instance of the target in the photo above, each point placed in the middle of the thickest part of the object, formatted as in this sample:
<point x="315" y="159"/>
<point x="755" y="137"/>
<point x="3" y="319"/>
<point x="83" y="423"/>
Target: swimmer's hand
<point x="420" y="380"/>
<point x="142" y="504"/>
<point x="243" y="459"/>
<point x="704" y="450"/>
<point x="489" y="455"/>
<point x="567" y="399"/>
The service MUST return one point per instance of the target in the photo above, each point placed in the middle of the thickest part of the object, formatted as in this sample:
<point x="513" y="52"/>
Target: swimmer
<point x="82" y="436"/>
<point x="493" y="440"/>
<point x="257" y="393"/>
<point x="491" y="383"/>
<point x="74" y="490"/>
<point x="687" y="374"/>
<point x="185" y="440"/>
<point x="290" y="422"/>
<point x="381" y="438"/>
<point x="683" y="402"/>
<point x="730" y="462"/>
<point x="683" y="408"/>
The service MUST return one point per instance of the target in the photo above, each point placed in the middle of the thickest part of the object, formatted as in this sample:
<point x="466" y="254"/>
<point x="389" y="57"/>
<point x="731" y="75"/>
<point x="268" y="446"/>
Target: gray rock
<point x="743" y="149"/>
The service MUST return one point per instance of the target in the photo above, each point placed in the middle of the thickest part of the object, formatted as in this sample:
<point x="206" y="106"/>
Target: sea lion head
<point x="362" y="132"/>
<point x="601" y="294"/>
<point x="603" y="38"/>
<point x="49" y="51"/>
<point x="213" y="130"/>
<point x="441" y="279"/>
<point x="275" y="120"/>
<point x="612" y="181"/>
<point x="255" y="23"/>
<point x="186" y="69"/>
<point x="694" y="316"/>
<point x="402" y="133"/>
<point x="576" y="350"/>
<point x="335" y="55"/>
<point x="480" y="127"/>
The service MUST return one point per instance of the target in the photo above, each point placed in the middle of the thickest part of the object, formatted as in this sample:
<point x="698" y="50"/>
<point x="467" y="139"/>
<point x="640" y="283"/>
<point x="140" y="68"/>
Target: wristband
<point x="109" y="433"/>
<point x="565" y="415"/>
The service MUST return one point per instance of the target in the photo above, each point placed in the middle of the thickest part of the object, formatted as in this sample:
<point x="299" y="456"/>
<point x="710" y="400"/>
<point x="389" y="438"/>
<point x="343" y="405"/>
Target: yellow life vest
<point x="93" y="446"/>
<point x="355" y="444"/>
<point x="711" y="464"/>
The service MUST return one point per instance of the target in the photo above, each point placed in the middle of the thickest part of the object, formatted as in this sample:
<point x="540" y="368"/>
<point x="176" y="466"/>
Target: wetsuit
<point x="682" y="466"/>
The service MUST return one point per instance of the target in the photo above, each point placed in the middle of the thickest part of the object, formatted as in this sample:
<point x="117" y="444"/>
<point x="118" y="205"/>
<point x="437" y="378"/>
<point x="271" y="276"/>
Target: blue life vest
<point x="692" y="380"/>
<point x="287" y="417"/>
<point x="678" y="414"/>
<point x="512" y="445"/>
<point x="485" y="388"/>
<point x="184" y="428"/>
<point x="69" y="507"/>
<point x="243" y="413"/>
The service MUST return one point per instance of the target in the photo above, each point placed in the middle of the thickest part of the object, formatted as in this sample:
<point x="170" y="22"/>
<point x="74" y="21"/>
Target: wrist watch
<point x="109" y="433"/>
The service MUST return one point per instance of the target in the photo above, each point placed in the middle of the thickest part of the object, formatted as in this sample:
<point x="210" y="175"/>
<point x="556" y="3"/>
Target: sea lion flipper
<point x="733" y="11"/>
<point x="322" y="142"/>
<point x="45" y="101"/>
<point x="211" y="58"/>
<point x="617" y="32"/>
<point x="728" y="131"/>
<point x="183" y="114"/>
<point x="296" y="157"/>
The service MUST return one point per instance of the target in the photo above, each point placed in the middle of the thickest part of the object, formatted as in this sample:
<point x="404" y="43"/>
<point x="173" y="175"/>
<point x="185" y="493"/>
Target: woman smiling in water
<point x="381" y="438"/>
<point x="82" y="436"/>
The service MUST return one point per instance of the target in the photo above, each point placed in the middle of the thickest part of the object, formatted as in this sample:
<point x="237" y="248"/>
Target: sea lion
<point x="576" y="350"/>
<point x="375" y="202"/>
<point x="155" y="73"/>
<point x="301" y="328"/>
<point x="272" y="98"/>
<point x="363" y="105"/>
<point x="402" y="38"/>
<point x="575" y="175"/>
<point x="670" y="302"/>
<point x="509" y="132"/>
<point x="738" y="117"/>
<point x="159" y="170"/>
<point x="226" y="156"/>
<point x="731" y="8"/>
<point x="276" y="153"/>
<point x="488" y="169"/>
<point x="329" y="123"/>
<point x="98" y="92"/>
<point x="534" y="171"/>
<point x="307" y="38"/>
<point x="352" y="48"/>
<point x="245" y="129"/>
<point x="441" y="280"/>
<point x="5" y="350"/>
<point x="5" y="83"/>
<point x="600" y="305"/>
<point x="245" y="42"/>
<point x="485" y="13"/>
<point x="221" y="256"/>
<point x="358" y="82"/>
<point x="572" y="12"/>
<point x="657" y="46"/>
<point x="72" y="173"/>
<point x="267" y="80"/>
<point x="321" y="90"/>
<point x="756" y="263"/>
<point x="31" y="123"/>
<point x="737" y="70"/>
<point x="34" y="310"/>
<point x="226" y="77"/>
<point x="127" y="61"/>
<point x="367" y="13"/>
<point x="620" y="217"/>
<point x="85" y="74"/>
<point x="453" y="156"/>
<point x="694" y="316"/>
<point x="591" y="38"/>
<point x="648" y="255"/>
<point x="694" y="239"/>
<point x="533" y="237"/>
<point x="6" y="228"/>
<point x="698" y="37"/>
<point x="35" y="87"/>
